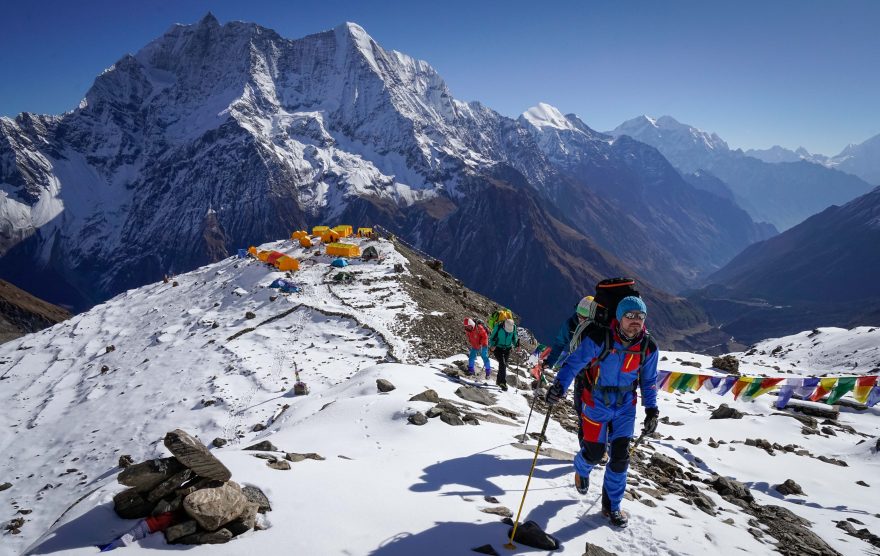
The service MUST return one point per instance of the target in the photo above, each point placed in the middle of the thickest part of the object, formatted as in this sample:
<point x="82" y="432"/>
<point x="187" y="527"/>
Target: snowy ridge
<point x="186" y="356"/>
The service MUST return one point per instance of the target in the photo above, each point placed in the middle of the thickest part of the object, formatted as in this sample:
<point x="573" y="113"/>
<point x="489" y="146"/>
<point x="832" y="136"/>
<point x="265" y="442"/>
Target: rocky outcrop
<point x="191" y="492"/>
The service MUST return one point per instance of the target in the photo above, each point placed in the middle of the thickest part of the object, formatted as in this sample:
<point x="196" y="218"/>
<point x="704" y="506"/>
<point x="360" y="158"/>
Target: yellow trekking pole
<point x="510" y="544"/>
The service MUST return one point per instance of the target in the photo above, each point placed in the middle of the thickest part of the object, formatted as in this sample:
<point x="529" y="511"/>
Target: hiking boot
<point x="616" y="517"/>
<point x="502" y="385"/>
<point x="488" y="373"/>
<point x="470" y="372"/>
<point x="582" y="484"/>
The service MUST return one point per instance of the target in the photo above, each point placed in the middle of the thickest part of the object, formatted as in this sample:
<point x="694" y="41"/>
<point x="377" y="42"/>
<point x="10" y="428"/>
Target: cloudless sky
<point x="758" y="73"/>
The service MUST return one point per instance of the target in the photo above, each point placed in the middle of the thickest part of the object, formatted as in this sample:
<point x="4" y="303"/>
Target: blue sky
<point x="757" y="73"/>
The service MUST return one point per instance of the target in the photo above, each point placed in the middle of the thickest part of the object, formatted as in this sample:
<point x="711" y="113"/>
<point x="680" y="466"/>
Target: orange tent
<point x="343" y="250"/>
<point x="263" y="255"/>
<point x="252" y="250"/>
<point x="284" y="263"/>
<point x="298" y="234"/>
<point x="305" y="241"/>
<point x="274" y="256"/>
<point x="330" y="236"/>
<point x="343" y="231"/>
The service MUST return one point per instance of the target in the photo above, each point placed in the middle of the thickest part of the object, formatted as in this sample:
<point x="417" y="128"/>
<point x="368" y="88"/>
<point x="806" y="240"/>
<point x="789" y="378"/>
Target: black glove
<point x="554" y="394"/>
<point x="652" y="414"/>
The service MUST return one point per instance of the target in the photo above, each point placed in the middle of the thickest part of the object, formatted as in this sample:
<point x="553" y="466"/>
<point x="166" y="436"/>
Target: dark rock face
<point x="477" y="395"/>
<point x="531" y="534"/>
<point x="426" y="396"/>
<point x="196" y="456"/>
<point x="263" y="446"/>
<point x="727" y="363"/>
<point x="129" y="504"/>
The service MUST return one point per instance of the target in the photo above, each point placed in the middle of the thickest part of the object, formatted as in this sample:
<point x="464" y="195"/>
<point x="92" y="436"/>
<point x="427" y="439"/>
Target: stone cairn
<point x="195" y="487"/>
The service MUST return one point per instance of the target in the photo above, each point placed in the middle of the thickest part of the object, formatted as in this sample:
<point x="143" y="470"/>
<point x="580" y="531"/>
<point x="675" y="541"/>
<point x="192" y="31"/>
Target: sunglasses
<point x="637" y="315"/>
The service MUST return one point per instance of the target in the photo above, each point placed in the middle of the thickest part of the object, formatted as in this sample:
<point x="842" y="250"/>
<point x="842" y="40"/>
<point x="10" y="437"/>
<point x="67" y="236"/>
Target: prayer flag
<point x="825" y="386"/>
<point x="784" y="395"/>
<point x="844" y="385"/>
<point x="671" y="381"/>
<point x="873" y="397"/>
<point x="760" y="386"/>
<point x="806" y="387"/>
<point x="726" y="385"/>
<point x="741" y="384"/>
<point x="863" y="388"/>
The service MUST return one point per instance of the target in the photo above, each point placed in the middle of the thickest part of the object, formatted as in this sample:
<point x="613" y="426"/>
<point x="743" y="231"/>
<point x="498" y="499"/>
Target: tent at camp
<point x="343" y="230"/>
<point x="365" y="232"/>
<point x="339" y="263"/>
<point x="370" y="253"/>
<point x="285" y="263"/>
<point x="298" y="234"/>
<point x="319" y="230"/>
<point x="343" y="250"/>
<point x="305" y="241"/>
<point x="330" y="236"/>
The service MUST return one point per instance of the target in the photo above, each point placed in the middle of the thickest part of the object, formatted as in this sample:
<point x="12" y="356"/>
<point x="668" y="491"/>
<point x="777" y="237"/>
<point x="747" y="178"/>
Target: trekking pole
<point x="531" y="409"/>
<point x="637" y="442"/>
<point x="510" y="544"/>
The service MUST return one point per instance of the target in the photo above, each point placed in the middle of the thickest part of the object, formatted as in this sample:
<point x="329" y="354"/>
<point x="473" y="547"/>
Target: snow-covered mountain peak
<point x="544" y="115"/>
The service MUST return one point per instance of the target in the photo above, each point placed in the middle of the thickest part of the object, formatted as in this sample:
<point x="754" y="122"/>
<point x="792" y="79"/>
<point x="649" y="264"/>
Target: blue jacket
<point x="611" y="370"/>
<point x="563" y="338"/>
<point x="502" y="338"/>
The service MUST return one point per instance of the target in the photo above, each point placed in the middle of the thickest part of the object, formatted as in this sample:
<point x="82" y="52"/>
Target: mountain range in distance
<point x="215" y="137"/>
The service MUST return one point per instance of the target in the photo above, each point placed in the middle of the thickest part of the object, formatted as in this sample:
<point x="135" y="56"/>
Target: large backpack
<point x="609" y="293"/>
<point x="500" y="315"/>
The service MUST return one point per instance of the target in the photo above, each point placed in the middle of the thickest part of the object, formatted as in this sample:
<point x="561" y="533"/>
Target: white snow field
<point x="184" y="358"/>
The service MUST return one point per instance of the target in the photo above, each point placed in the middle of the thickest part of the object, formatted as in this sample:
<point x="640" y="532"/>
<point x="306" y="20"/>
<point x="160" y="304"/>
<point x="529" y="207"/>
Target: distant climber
<point x="504" y="339"/>
<point x="478" y="338"/>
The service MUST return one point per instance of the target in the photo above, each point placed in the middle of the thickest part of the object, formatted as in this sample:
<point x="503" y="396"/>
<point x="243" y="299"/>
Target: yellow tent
<point x="263" y="255"/>
<point x="319" y="230"/>
<point x="298" y="234"/>
<point x="330" y="236"/>
<point x="252" y="250"/>
<point x="305" y="241"/>
<point x="286" y="263"/>
<point x="343" y="250"/>
<point x="365" y="232"/>
<point x="343" y="231"/>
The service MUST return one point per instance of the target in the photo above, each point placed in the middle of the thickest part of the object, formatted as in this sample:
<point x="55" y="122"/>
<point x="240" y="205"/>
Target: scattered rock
<point x="384" y="386"/>
<point x="129" y="504"/>
<point x="731" y="488"/>
<point x="124" y="461"/>
<point x="218" y="442"/>
<point x="486" y="549"/>
<point x="426" y="396"/>
<point x="531" y="534"/>
<point x="691" y="364"/>
<point x="398" y="267"/>
<point x="175" y="532"/>
<point x="264" y="446"/>
<point x="258" y="427"/>
<point x="425" y="283"/>
<point x="727" y="363"/>
<point x="279" y="464"/>
<point x="451" y="419"/>
<point x="593" y="550"/>
<point x="417" y="418"/>
<point x="491" y="499"/>
<point x="250" y="315"/>
<point x="725" y="412"/>
<point x="862" y="483"/>
<point x="789" y="488"/>
<point x="5" y="486"/>
<point x="498" y="510"/>
<point x="300" y="389"/>
<point x="476" y="395"/>
<point x="255" y="495"/>
<point x="213" y="537"/>
<point x="829" y="431"/>
<point x="196" y="456"/>
<point x="833" y="461"/>
<point x="296" y="458"/>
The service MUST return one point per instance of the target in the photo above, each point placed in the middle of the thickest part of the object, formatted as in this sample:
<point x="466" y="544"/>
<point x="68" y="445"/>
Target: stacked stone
<point x="195" y="485"/>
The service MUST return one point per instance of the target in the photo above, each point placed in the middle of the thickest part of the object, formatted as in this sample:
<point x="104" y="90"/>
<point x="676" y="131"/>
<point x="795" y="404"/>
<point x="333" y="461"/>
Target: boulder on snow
<point x="593" y="550"/>
<point x="732" y="488"/>
<point x="477" y="395"/>
<point x="788" y="488"/>
<point x="384" y="385"/>
<point x="196" y="456"/>
<point x="255" y="495"/>
<point x="725" y="412"/>
<point x="426" y="396"/>
<point x="129" y="504"/>
<point x="264" y="446"/>
<point x="124" y="461"/>
<point x="531" y="534"/>
<point x="727" y="363"/>
<point x="418" y="418"/>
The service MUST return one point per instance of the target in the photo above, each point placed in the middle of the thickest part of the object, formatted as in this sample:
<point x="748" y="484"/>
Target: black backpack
<point x="609" y="292"/>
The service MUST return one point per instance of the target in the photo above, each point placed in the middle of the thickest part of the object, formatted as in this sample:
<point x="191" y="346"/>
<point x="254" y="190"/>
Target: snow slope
<point x="386" y="487"/>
